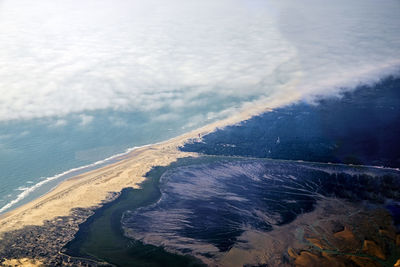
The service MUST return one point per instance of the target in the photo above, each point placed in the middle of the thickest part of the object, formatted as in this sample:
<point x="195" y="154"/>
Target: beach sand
<point x="23" y="262"/>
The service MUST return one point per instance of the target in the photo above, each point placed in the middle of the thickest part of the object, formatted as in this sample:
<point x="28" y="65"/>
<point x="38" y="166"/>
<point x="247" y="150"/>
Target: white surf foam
<point x="26" y="191"/>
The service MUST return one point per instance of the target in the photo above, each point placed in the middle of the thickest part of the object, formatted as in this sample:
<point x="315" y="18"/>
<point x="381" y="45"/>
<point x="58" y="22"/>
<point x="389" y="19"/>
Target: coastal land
<point x="315" y="214"/>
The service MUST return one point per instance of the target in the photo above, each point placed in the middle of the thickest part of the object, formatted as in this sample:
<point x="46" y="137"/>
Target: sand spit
<point x="93" y="188"/>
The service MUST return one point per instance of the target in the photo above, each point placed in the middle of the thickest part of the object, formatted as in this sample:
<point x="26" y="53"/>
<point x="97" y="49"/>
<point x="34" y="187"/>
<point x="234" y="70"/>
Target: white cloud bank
<point x="64" y="56"/>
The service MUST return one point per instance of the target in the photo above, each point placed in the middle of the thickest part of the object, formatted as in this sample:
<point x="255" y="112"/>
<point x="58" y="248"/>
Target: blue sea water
<point x="361" y="127"/>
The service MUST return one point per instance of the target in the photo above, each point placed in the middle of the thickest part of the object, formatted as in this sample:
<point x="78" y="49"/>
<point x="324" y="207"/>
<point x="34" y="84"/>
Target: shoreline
<point x="66" y="175"/>
<point x="45" y="225"/>
<point x="89" y="189"/>
<point x="63" y="176"/>
<point x="93" y="188"/>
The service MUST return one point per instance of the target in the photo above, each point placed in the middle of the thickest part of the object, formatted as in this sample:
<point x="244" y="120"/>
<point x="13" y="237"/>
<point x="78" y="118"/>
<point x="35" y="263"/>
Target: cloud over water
<point x="62" y="57"/>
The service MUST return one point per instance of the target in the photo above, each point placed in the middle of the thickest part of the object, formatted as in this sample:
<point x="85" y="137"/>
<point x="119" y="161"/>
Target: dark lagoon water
<point x="205" y="208"/>
<point x="102" y="238"/>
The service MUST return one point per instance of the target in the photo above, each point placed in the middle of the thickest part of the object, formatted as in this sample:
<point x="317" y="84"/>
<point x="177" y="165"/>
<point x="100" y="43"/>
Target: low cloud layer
<point x="67" y="56"/>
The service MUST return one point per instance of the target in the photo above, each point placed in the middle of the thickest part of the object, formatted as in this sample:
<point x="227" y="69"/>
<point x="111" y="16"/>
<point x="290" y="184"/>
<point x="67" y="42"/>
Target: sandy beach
<point x="92" y="188"/>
